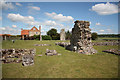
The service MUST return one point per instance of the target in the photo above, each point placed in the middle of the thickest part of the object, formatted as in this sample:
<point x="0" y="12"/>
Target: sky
<point x="103" y="16"/>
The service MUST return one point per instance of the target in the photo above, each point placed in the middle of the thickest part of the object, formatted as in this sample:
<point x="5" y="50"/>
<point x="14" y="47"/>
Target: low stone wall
<point x="105" y="43"/>
<point x="42" y="44"/>
<point x="51" y="52"/>
<point x="113" y="51"/>
<point x="65" y="44"/>
<point x="17" y="56"/>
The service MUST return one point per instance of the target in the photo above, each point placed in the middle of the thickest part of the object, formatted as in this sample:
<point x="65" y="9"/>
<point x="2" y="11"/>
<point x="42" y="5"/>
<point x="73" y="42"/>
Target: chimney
<point x="40" y="28"/>
<point x="40" y="33"/>
<point x="21" y="28"/>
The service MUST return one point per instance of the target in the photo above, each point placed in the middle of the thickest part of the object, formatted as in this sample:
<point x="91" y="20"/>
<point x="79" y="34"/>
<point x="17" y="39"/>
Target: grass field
<point x="68" y="65"/>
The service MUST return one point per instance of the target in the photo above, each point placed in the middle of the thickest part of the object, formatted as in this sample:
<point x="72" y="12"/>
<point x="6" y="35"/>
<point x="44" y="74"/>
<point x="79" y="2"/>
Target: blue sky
<point x="103" y="16"/>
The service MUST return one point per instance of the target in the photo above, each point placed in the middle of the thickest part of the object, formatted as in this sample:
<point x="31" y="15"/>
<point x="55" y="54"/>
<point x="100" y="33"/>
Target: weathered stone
<point x="81" y="38"/>
<point x="65" y="44"/>
<point x="51" y="52"/>
<point x="42" y="44"/>
<point x="40" y="55"/>
<point x="59" y="54"/>
<point x="16" y="55"/>
<point x="62" y="34"/>
<point x="27" y="60"/>
<point x="113" y="51"/>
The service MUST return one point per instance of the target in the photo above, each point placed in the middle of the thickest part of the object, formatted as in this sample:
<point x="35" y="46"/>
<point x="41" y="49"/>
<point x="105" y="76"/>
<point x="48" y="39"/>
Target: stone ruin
<point x="42" y="44"/>
<point x="80" y="41"/>
<point x="18" y="55"/>
<point x="27" y="60"/>
<point x="51" y="52"/>
<point x="112" y="43"/>
<point x="63" y="44"/>
<point x="112" y="51"/>
<point x="62" y="35"/>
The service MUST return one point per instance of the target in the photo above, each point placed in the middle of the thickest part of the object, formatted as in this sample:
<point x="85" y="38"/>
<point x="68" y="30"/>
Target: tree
<point x="68" y="35"/>
<point x="94" y="36"/>
<point x="53" y="34"/>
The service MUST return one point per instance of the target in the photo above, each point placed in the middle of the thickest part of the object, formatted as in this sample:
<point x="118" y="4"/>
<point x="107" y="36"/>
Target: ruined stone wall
<point x="62" y="34"/>
<point x="81" y="38"/>
<point x="18" y="55"/>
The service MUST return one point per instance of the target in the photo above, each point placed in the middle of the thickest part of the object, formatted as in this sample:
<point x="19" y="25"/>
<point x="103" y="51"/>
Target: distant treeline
<point x="108" y="35"/>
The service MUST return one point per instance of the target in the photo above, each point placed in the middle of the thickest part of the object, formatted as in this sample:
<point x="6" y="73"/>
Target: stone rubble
<point x="112" y="43"/>
<point x="80" y="41"/>
<point x="27" y="60"/>
<point x="51" y="52"/>
<point x="42" y="44"/>
<point x="112" y="51"/>
<point x="17" y="55"/>
<point x="63" y="44"/>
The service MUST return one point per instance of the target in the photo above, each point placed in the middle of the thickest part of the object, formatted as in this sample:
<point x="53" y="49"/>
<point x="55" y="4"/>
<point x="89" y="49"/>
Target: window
<point x="36" y="32"/>
<point x="34" y="29"/>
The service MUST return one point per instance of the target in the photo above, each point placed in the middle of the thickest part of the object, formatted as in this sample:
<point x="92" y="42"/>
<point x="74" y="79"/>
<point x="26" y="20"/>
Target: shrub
<point x="46" y="37"/>
<point x="94" y="36"/>
<point x="53" y="34"/>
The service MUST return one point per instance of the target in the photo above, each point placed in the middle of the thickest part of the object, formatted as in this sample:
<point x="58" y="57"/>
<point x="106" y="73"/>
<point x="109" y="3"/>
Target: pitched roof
<point x="5" y="35"/>
<point x="25" y="32"/>
<point x="34" y="29"/>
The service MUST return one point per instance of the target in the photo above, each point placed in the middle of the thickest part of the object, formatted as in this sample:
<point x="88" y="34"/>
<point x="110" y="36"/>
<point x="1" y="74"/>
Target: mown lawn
<point x="68" y="65"/>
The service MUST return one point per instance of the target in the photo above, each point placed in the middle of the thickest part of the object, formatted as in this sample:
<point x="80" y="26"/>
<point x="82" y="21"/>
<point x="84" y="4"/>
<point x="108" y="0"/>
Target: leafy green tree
<point x="53" y="34"/>
<point x="94" y="36"/>
<point x="68" y="35"/>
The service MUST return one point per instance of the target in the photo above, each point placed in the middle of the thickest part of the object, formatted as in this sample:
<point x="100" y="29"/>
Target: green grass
<point x="68" y="65"/>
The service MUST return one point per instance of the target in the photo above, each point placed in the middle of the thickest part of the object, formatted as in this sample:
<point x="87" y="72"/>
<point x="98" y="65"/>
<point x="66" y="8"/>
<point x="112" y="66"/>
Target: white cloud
<point x="25" y="19"/>
<point x="70" y="29"/>
<point x="0" y="18"/>
<point x="5" y="5"/>
<point x="105" y="9"/>
<point x="10" y="30"/>
<point x="52" y="24"/>
<point x="30" y="20"/>
<point x="14" y="26"/>
<point x="98" y="24"/>
<point x="101" y="30"/>
<point x="90" y="22"/>
<point x="2" y="28"/>
<point x="18" y="4"/>
<point x="109" y="30"/>
<point x="18" y="17"/>
<point x="59" y="17"/>
<point x="52" y="27"/>
<point x="34" y="8"/>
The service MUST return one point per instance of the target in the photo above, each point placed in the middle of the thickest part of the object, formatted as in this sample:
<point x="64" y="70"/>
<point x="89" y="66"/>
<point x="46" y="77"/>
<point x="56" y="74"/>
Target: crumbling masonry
<point x="81" y="38"/>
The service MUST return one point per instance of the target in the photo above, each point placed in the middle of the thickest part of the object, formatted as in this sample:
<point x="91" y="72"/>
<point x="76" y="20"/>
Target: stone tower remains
<point x="81" y="38"/>
<point x="62" y="34"/>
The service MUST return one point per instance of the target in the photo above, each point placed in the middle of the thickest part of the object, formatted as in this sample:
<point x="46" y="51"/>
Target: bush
<point x="94" y="36"/>
<point x="68" y="35"/>
<point x="46" y="37"/>
<point x="53" y="34"/>
<point x="36" y="37"/>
